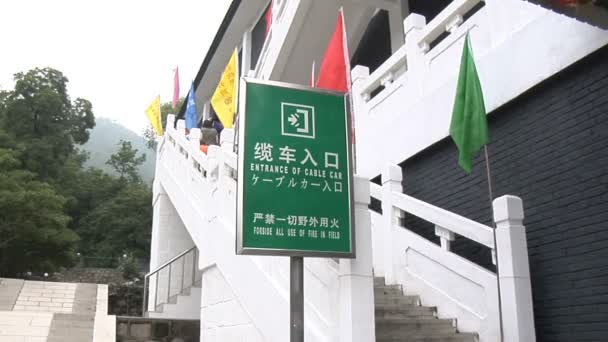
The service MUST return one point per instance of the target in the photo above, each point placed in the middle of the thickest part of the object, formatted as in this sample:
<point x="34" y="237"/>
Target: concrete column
<point x="391" y="182"/>
<point x="169" y="235"/>
<point x="514" y="271"/>
<point x="356" y="303"/>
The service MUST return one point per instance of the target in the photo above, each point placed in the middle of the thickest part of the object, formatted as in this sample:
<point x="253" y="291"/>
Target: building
<point x="544" y="70"/>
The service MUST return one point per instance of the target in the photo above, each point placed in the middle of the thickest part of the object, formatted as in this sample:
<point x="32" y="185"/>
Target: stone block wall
<point x="129" y="329"/>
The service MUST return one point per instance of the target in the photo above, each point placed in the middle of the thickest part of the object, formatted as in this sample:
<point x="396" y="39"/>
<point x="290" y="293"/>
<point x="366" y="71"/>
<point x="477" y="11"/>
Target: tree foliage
<point x="51" y="206"/>
<point x="126" y="162"/>
<point x="33" y="225"/>
<point x="40" y="113"/>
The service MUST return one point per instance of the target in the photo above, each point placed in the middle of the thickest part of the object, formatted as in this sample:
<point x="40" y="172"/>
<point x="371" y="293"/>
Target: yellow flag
<point x="225" y="97"/>
<point x="153" y="113"/>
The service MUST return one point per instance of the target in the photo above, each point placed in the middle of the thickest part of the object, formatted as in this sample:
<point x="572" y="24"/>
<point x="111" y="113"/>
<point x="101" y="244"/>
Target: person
<point x="208" y="135"/>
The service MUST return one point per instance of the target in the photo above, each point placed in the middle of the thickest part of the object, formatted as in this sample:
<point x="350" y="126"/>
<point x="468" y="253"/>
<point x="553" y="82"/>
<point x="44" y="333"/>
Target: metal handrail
<point x="170" y="265"/>
<point x="170" y="261"/>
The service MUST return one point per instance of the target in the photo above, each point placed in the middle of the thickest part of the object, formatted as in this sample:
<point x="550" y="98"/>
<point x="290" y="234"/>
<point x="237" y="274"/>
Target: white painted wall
<point x="516" y="45"/>
<point x="187" y="306"/>
<point x="169" y="235"/>
<point x="223" y="317"/>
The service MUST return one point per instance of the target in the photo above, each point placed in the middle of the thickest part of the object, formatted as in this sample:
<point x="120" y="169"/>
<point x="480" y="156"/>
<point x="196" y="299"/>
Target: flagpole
<point x="491" y="195"/>
<point x="350" y="91"/>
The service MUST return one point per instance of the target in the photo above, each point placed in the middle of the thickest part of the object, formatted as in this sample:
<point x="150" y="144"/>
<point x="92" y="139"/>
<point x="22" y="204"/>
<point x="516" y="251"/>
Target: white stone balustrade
<point x="409" y="97"/>
<point x="514" y="270"/>
<point x="458" y="287"/>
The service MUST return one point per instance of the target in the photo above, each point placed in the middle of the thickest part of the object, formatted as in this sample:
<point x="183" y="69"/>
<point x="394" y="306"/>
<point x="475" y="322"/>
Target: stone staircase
<point x="402" y="318"/>
<point x="175" y="305"/>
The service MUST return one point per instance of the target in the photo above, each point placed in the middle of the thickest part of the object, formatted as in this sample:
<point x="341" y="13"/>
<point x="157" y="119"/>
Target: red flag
<point x="268" y="18"/>
<point x="335" y="67"/>
<point x="312" y="75"/>
<point x="176" y="88"/>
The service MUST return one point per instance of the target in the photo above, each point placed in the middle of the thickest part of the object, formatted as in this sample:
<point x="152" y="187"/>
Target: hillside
<point x="103" y="142"/>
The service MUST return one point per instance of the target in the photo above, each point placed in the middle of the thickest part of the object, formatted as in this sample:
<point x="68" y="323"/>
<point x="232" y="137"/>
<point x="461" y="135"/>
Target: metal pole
<point x="491" y="193"/>
<point x="145" y="299"/>
<point x="183" y="272"/>
<point x="169" y="284"/>
<point x="296" y="300"/>
<point x="156" y="292"/>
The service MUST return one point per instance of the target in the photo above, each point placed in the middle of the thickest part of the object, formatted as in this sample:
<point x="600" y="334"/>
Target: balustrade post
<point x="415" y="50"/>
<point x="195" y="138"/>
<point x="226" y="146"/>
<point x="356" y="302"/>
<point x="170" y="124"/>
<point x="359" y="75"/>
<point x="446" y="237"/>
<point x="181" y="127"/>
<point x="514" y="270"/>
<point x="391" y="216"/>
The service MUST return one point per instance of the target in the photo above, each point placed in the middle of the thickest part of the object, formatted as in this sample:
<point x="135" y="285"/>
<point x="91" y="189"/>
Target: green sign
<point x="295" y="195"/>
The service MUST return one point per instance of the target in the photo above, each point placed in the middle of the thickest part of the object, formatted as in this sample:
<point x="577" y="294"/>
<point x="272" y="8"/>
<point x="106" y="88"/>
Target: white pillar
<point x="170" y="124"/>
<point x="226" y="147"/>
<point x="169" y="235"/>
<point x="391" y="182"/>
<point x="357" y="321"/>
<point x="416" y="53"/>
<point x="359" y="112"/>
<point x="181" y="127"/>
<point x="514" y="271"/>
<point x="195" y="138"/>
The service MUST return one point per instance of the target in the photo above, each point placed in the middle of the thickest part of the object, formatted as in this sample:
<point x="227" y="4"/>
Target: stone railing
<point x="416" y="54"/>
<point x="458" y="287"/>
<point x="274" y="38"/>
<point x="409" y="98"/>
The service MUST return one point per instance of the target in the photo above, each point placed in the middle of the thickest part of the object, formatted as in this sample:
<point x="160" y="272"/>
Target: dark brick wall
<point x="549" y="147"/>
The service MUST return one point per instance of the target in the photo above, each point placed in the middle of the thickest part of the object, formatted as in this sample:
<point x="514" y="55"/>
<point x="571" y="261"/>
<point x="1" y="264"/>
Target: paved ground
<point x="9" y="292"/>
<point x="35" y="311"/>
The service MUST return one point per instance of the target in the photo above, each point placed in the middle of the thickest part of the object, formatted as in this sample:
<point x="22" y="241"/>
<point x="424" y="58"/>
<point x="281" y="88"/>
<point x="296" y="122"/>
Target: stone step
<point x="397" y="300"/>
<point x="388" y="290"/>
<point x="71" y="328"/>
<point x="461" y="337"/>
<point x="379" y="281"/>
<point x="392" y="311"/>
<point x="419" y="333"/>
<point x="414" y="322"/>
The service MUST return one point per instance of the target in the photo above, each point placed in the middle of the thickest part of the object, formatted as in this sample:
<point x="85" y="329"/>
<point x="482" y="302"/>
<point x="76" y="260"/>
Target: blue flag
<point x="191" y="114"/>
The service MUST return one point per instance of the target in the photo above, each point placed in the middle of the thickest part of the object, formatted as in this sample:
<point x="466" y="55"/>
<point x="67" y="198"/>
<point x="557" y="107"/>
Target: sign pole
<point x="296" y="300"/>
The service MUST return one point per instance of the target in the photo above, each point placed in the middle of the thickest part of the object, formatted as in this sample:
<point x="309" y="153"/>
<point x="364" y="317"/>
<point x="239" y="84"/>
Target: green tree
<point x="33" y="226"/>
<point x="165" y="109"/>
<point x="120" y="225"/>
<point x="126" y="162"/>
<point x="40" y="113"/>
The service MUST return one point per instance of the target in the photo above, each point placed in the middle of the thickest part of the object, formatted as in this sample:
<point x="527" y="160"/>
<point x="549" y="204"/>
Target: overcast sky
<point x="118" y="54"/>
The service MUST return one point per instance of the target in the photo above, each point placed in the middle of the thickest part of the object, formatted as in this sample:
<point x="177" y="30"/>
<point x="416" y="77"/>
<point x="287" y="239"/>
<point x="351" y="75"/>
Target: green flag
<point x="469" y="128"/>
